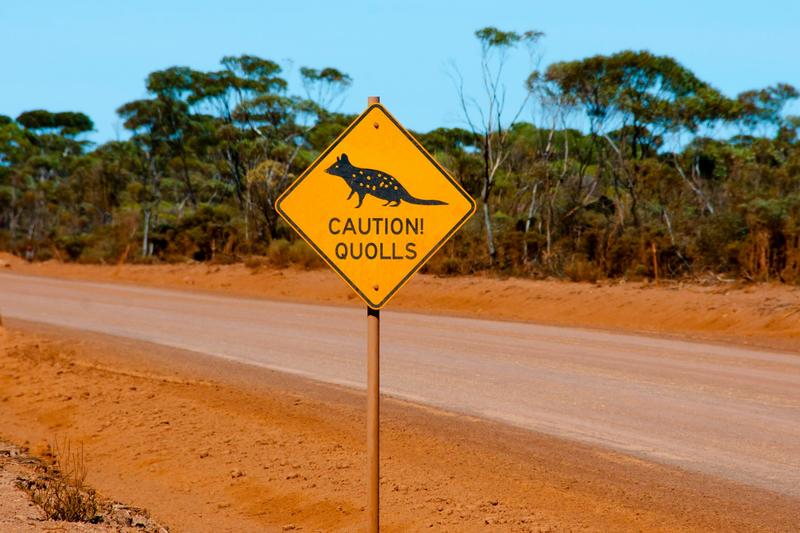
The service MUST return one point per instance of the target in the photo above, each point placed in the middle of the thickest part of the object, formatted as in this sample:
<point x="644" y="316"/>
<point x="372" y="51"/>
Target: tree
<point x="172" y="88"/>
<point x="325" y="87"/>
<point x="632" y="100"/>
<point x="146" y="118"/>
<point x="764" y="107"/>
<point x="40" y="157"/>
<point x="228" y="94"/>
<point x="489" y="120"/>
<point x="66" y="123"/>
<point x="281" y="137"/>
<point x="622" y="170"/>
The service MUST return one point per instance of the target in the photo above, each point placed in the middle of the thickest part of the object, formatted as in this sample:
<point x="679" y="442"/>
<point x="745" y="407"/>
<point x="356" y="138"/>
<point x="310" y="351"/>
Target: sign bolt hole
<point x="375" y="287"/>
<point x="376" y="125"/>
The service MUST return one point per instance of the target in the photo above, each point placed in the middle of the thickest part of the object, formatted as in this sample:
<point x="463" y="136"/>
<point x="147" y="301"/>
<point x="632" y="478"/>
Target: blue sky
<point x="92" y="56"/>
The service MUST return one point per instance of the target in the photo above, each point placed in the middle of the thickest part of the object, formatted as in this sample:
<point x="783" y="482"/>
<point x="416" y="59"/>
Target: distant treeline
<point x="625" y="165"/>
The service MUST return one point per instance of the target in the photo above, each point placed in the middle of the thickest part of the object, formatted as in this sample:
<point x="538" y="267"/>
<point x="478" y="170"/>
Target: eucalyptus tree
<point x="284" y="126"/>
<point x="225" y="94"/>
<point x="489" y="116"/>
<point x="260" y="130"/>
<point x="281" y="123"/>
<point x="763" y="109"/>
<point x="15" y="149"/>
<point x="325" y="87"/>
<point x="42" y="153"/>
<point x="172" y="88"/>
<point x="632" y="100"/>
<point x="554" y="157"/>
<point x="146" y="118"/>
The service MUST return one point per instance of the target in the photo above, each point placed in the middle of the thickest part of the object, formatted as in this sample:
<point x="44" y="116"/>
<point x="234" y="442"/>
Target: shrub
<point x="443" y="265"/>
<point x="579" y="269"/>
<point x="278" y="252"/>
<point x="303" y="255"/>
<point x="73" y="245"/>
<point x="254" y="262"/>
<point x="205" y="234"/>
<point x="61" y="491"/>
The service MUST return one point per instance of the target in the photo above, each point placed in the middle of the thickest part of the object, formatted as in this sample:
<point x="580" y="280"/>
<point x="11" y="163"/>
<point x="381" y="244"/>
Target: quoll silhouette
<point x="380" y="184"/>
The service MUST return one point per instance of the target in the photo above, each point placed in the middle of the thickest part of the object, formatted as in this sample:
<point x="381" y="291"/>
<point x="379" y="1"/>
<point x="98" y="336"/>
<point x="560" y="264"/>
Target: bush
<point x="443" y="265"/>
<point x="254" y="262"/>
<point x="278" y="253"/>
<point x="303" y="255"/>
<point x="73" y="245"/>
<point x="206" y="234"/>
<point x="579" y="269"/>
<point x="281" y="253"/>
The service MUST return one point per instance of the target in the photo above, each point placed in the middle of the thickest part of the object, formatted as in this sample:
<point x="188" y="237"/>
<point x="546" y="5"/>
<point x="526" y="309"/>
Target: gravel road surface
<point x="723" y="410"/>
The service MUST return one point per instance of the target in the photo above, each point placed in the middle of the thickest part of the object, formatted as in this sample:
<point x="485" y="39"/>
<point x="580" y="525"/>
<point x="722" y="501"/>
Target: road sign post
<point x="373" y="406"/>
<point x="373" y="416"/>
<point x="375" y="206"/>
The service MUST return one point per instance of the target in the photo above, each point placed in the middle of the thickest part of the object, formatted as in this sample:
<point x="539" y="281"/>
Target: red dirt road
<point x="761" y="315"/>
<point x="725" y="411"/>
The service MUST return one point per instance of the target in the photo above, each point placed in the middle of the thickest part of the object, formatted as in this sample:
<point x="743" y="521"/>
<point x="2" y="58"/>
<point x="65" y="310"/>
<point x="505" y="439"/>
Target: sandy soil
<point x="211" y="445"/>
<point x="760" y="315"/>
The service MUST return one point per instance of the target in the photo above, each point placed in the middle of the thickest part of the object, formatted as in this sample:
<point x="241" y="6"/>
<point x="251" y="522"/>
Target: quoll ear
<point x="344" y="158"/>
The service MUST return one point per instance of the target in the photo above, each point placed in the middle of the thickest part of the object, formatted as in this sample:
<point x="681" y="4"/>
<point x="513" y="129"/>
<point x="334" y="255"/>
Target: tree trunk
<point x="698" y="191"/>
<point x="485" y="193"/>
<point x="487" y="220"/>
<point x="528" y="220"/>
<point x="187" y="179"/>
<point x="247" y="207"/>
<point x="654" y="252"/>
<point x="145" y="243"/>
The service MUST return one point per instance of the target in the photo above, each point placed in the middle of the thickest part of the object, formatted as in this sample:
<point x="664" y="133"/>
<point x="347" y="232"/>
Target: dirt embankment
<point x="765" y="315"/>
<point x="33" y="490"/>
<point x="210" y="445"/>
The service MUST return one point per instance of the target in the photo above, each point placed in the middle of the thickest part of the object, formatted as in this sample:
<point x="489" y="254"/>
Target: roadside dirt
<point x="211" y="445"/>
<point x="17" y="513"/>
<point x="766" y="315"/>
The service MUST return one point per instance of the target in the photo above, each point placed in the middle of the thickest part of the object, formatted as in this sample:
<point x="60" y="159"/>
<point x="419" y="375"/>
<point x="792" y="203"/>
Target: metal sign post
<point x="373" y="406"/>
<point x="373" y="416"/>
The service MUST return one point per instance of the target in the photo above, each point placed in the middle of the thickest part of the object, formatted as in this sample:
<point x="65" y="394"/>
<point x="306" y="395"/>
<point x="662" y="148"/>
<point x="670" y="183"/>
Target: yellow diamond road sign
<point x="375" y="205"/>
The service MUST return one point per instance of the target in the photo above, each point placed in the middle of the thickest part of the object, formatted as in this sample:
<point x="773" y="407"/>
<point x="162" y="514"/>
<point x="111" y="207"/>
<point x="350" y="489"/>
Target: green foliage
<point x="302" y="255"/>
<point x="278" y="252"/>
<point x="203" y="235"/>
<point x="639" y="89"/>
<point x="491" y="37"/>
<point x="615" y="178"/>
<point x="67" y="123"/>
<point x="324" y="86"/>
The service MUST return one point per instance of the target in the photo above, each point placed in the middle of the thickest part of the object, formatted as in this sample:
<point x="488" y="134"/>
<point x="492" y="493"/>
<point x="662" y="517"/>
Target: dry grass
<point x="61" y="489"/>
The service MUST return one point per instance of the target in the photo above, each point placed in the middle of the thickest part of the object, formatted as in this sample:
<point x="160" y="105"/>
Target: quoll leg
<point x="361" y="196"/>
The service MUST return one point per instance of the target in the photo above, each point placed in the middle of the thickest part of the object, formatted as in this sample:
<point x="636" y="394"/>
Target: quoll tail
<point x="419" y="201"/>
